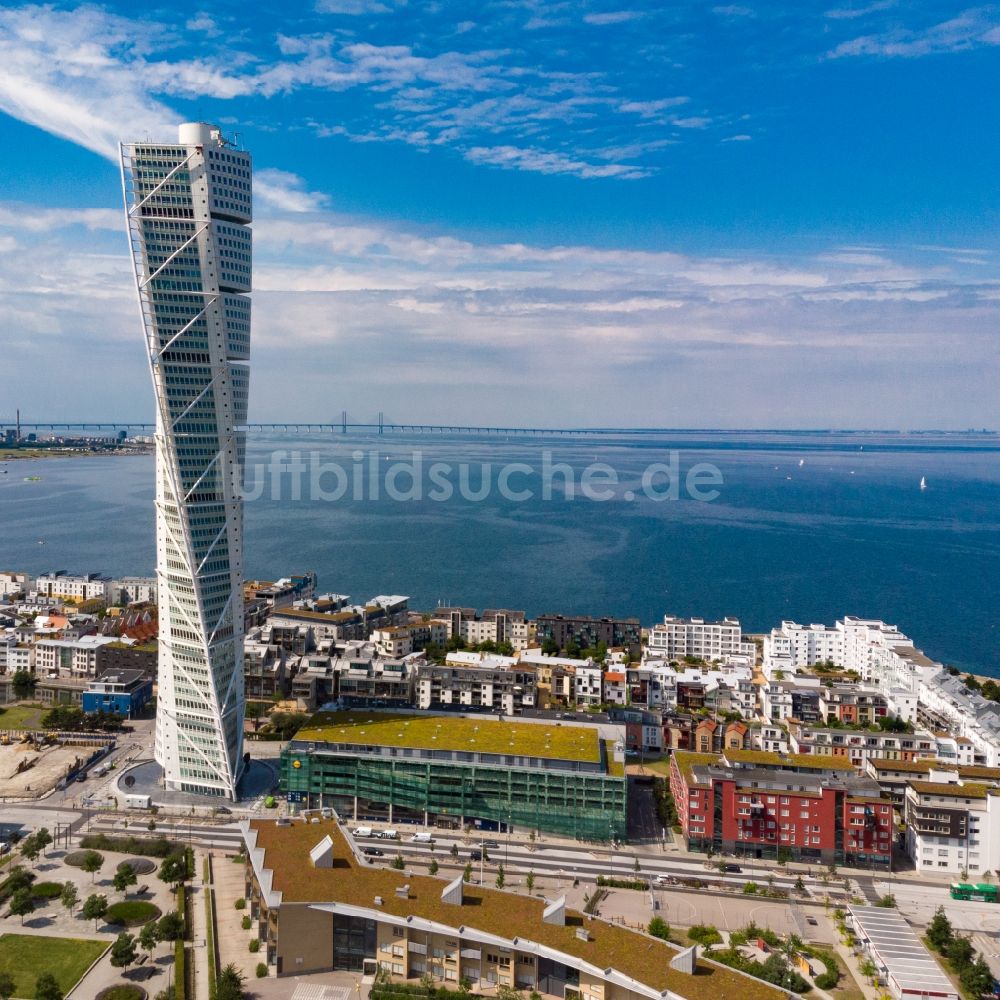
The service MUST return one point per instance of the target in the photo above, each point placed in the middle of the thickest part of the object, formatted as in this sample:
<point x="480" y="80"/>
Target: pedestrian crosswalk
<point x="314" y="991"/>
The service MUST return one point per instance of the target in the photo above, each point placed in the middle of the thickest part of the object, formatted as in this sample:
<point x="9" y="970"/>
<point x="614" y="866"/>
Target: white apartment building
<point x="133" y="590"/>
<point x="793" y="646"/>
<point x="588" y="688"/>
<point x="14" y="583"/>
<point x="947" y="704"/>
<point x="676" y="638"/>
<point x="63" y="586"/>
<point x="15" y="656"/>
<point x="69" y="657"/>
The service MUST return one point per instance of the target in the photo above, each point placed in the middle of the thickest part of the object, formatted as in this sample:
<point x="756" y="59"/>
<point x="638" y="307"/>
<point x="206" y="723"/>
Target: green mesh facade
<point x="572" y="804"/>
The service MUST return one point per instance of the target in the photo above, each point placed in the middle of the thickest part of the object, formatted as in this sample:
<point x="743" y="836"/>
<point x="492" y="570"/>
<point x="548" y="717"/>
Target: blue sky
<point x="685" y="214"/>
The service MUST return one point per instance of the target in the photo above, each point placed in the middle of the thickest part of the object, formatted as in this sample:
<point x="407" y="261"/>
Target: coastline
<point x="25" y="454"/>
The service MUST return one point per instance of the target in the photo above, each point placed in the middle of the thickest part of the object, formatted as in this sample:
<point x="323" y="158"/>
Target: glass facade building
<point x="559" y="797"/>
<point x="188" y="209"/>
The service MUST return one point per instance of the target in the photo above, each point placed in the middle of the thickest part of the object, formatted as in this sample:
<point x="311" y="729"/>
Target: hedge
<point x="180" y="970"/>
<point x="157" y="847"/>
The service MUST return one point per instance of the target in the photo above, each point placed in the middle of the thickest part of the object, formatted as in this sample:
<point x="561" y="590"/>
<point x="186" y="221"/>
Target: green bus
<point x="981" y="892"/>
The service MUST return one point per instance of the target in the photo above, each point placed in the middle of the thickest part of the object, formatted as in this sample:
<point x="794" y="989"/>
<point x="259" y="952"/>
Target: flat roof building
<point x="456" y="771"/>
<point x="907" y="967"/>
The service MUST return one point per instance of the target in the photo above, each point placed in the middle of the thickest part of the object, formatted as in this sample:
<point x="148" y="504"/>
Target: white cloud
<point x="60" y="75"/>
<point x="651" y="109"/>
<point x="539" y="161"/>
<point x="850" y="13"/>
<point x="613" y="17"/>
<point x="741" y="137"/>
<point x="973" y="28"/>
<point x="351" y="7"/>
<point x="286" y="191"/>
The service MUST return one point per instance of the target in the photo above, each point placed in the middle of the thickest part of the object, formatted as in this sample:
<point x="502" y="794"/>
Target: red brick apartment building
<point x="762" y="805"/>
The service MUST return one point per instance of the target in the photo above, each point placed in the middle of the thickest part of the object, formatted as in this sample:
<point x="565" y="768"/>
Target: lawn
<point x="24" y="957"/>
<point x="437" y="732"/>
<point x="26" y="716"/>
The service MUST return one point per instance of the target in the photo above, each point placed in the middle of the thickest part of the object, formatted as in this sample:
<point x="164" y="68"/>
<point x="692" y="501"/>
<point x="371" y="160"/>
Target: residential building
<point x="493" y="687"/>
<point x="459" y="771"/>
<point x="758" y="805"/>
<point x="188" y="207"/>
<point x="132" y="590"/>
<point x="852" y="705"/>
<point x="74" y="587"/>
<point x="413" y="637"/>
<point x="952" y="818"/>
<point x="14" y="584"/>
<point x="282" y="593"/>
<point x="615" y="687"/>
<point x="676" y="638"/>
<point x="860" y="745"/>
<point x="69" y="657"/>
<point x="493" y="625"/>
<point x="587" y="633"/>
<point x="120" y="692"/>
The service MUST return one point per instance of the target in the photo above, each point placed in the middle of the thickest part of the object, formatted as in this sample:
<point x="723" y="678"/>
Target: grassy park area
<point x="25" y="956"/>
<point x="26" y="716"/>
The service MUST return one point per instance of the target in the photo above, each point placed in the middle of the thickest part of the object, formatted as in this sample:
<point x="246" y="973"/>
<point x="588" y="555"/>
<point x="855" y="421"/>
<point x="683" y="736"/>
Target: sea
<point x="763" y="526"/>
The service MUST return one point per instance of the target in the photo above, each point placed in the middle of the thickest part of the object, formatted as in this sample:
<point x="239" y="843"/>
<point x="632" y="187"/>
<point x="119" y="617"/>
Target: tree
<point x="800" y="885"/>
<point x="170" y="926"/>
<point x="47" y="988"/>
<point x="21" y="904"/>
<point x="659" y="928"/>
<point x="939" y="931"/>
<point x="500" y="877"/>
<point x="24" y="684"/>
<point x="95" y="907"/>
<point x="173" y="870"/>
<point x="433" y="867"/>
<point x="398" y="863"/>
<point x="6" y="986"/>
<point x="454" y="850"/>
<point x="530" y="881"/>
<point x="42" y="839"/>
<point x="69" y="896"/>
<point x="467" y="873"/>
<point x="977" y="978"/>
<point x="123" y="951"/>
<point x="93" y="862"/>
<point x="960" y="953"/>
<point x="149" y="937"/>
<point x="124" y="877"/>
<point x="30" y="848"/>
<point x="229" y="985"/>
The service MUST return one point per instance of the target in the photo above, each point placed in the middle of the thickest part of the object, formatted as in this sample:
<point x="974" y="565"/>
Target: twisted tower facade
<point x="188" y="207"/>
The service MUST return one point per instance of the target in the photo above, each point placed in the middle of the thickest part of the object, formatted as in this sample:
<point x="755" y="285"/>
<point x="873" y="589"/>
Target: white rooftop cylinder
<point x="197" y="133"/>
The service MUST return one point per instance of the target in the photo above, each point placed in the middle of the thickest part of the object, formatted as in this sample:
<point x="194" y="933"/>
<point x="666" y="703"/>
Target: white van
<point x="388" y="834"/>
<point x="422" y="838"/>
<point x="363" y="831"/>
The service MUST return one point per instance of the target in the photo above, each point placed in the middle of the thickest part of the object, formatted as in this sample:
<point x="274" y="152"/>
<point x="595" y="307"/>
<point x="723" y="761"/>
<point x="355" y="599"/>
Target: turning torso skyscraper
<point x="189" y="207"/>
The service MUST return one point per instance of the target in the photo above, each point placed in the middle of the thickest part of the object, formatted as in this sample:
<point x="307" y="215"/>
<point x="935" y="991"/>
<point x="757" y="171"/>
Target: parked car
<point x="82" y="776"/>
<point x="733" y="869"/>
<point x="475" y="855"/>
<point x="373" y="852"/>
<point x="491" y="844"/>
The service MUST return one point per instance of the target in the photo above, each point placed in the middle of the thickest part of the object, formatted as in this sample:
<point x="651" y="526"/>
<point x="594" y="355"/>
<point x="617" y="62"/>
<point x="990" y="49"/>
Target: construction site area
<point x="32" y="764"/>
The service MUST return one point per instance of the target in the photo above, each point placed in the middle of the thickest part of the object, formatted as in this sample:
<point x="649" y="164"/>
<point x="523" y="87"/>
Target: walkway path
<point x="199" y="930"/>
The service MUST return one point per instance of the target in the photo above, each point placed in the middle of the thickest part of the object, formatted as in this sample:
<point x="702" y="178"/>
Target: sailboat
<point x="923" y="483"/>
<point x="802" y="462"/>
